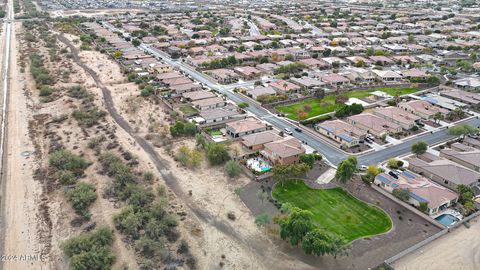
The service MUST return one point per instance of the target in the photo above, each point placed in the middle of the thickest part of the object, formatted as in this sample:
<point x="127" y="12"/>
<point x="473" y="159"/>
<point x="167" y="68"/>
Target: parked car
<point x="298" y="129"/>
<point x="363" y="168"/>
<point x="288" y="131"/>
<point x="394" y="175"/>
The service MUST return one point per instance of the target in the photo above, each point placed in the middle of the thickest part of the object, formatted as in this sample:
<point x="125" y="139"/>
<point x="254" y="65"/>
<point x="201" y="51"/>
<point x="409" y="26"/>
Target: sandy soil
<point x="459" y="250"/>
<point x="22" y="193"/>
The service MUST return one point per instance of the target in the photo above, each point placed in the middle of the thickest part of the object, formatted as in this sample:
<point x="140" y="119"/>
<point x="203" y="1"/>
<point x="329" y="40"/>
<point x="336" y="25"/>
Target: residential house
<point x="422" y="108"/>
<point x="342" y="132"/>
<point x="283" y="87"/>
<point x="387" y="76"/>
<point x="219" y="115"/>
<point x="443" y="171"/>
<point x="469" y="159"/>
<point x="335" y="81"/>
<point x="247" y="72"/>
<point x="414" y="74"/>
<point x="198" y="95"/>
<point x="421" y="190"/>
<point x="285" y="151"/>
<point x="470" y="83"/>
<point x="373" y="124"/>
<point x="244" y="127"/>
<point x="261" y="91"/>
<point x="256" y="141"/>
<point x="223" y="75"/>
<point x="470" y="98"/>
<point x="472" y="142"/>
<point x="209" y="103"/>
<point x="398" y="116"/>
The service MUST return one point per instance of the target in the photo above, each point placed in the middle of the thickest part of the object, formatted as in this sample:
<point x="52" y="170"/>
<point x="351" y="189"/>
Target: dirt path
<point x="265" y="252"/>
<point x="22" y="192"/>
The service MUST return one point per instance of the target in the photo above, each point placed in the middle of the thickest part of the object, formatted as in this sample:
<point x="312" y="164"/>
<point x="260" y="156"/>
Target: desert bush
<point x="81" y="197"/>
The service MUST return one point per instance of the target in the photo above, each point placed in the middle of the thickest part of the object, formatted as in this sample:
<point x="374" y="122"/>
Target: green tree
<point x="296" y="225"/>
<point x="65" y="160"/>
<point x="346" y="169"/>
<point x="308" y="159"/>
<point x="217" y="153"/>
<point x="284" y="172"/>
<point x="419" y="147"/>
<point x="438" y="116"/>
<point x="319" y="242"/>
<point x="463" y="130"/>
<point x="232" y="168"/>
<point x="392" y="163"/>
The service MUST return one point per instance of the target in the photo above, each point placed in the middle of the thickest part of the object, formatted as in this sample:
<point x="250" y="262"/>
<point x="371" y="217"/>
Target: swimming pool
<point x="447" y="219"/>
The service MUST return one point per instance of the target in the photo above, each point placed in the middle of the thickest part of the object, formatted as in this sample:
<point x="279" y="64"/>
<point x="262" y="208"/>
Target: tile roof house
<point x="283" y="87"/>
<point x="472" y="142"/>
<point x="223" y="75"/>
<point x="373" y="124"/>
<point x="244" y="127"/>
<point x="414" y="74"/>
<point x="469" y="159"/>
<point x="421" y="190"/>
<point x="284" y="151"/>
<point x="219" y="115"/>
<point x="261" y="91"/>
<point x="197" y="95"/>
<point x="335" y="80"/>
<point x="248" y="73"/>
<point x="398" y="116"/>
<point x="444" y="171"/>
<point x="388" y="76"/>
<point x="209" y="103"/>
<point x="470" y="98"/>
<point x="422" y="108"/>
<point x="257" y="141"/>
<point x="342" y="132"/>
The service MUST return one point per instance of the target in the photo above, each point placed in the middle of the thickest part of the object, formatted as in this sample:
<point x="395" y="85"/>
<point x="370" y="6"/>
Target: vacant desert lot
<point x="459" y="250"/>
<point x="335" y="210"/>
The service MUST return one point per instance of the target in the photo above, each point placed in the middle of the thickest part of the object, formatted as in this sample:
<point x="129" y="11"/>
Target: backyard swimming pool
<point x="447" y="219"/>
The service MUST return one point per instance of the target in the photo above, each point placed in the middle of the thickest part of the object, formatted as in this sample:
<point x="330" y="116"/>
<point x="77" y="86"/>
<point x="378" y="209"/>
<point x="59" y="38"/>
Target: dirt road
<point x="21" y="191"/>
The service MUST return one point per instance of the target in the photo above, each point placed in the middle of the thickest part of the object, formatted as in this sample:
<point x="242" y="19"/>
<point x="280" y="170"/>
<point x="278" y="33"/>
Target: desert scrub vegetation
<point x="144" y="219"/>
<point x="88" y="117"/>
<point x="81" y="197"/>
<point x="92" y="250"/>
<point x="65" y="162"/>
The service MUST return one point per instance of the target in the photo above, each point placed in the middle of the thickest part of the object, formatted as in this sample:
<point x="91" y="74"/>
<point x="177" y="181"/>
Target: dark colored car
<point x="298" y="129"/>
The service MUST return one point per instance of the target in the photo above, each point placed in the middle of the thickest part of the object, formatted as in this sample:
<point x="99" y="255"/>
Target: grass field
<point x="335" y="210"/>
<point x="327" y="104"/>
<point x="188" y="110"/>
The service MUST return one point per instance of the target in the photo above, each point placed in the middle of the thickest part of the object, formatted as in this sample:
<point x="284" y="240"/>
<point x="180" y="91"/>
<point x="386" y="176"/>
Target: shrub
<point x="78" y="92"/>
<point x="148" y="176"/>
<point x="88" y="117"/>
<point x="81" y="197"/>
<point x="392" y="163"/>
<point x="243" y="105"/>
<point x="91" y="250"/>
<point x="308" y="159"/>
<point x="66" y="177"/>
<point x="232" y="168"/>
<point x="46" y="91"/>
<point x="65" y="160"/>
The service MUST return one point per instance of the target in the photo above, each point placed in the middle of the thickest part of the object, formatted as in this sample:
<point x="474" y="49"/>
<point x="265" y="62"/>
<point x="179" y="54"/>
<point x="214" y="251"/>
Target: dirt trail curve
<point x="270" y="256"/>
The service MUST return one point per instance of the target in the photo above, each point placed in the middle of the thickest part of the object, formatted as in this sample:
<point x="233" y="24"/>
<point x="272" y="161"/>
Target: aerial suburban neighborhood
<point x="256" y="134"/>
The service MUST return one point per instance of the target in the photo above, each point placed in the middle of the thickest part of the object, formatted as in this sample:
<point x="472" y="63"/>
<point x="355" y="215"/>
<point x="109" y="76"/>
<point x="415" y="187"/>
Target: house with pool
<point x="438" y="198"/>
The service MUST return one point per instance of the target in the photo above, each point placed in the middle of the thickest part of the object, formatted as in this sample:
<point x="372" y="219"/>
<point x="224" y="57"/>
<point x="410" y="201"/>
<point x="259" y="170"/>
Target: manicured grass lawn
<point x="327" y="104"/>
<point x="216" y="133"/>
<point x="188" y="109"/>
<point x="335" y="210"/>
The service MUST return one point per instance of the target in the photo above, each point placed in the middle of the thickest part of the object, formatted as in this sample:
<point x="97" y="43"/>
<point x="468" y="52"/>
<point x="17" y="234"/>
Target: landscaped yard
<point x="335" y="210"/>
<point x="188" y="110"/>
<point x="327" y="104"/>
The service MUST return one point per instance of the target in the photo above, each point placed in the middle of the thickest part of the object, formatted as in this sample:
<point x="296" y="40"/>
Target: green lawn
<point x="335" y="210"/>
<point x="188" y="110"/>
<point x="327" y="104"/>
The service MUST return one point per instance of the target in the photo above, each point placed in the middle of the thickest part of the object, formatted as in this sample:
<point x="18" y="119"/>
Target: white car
<point x="288" y="131"/>
<point x="363" y="168"/>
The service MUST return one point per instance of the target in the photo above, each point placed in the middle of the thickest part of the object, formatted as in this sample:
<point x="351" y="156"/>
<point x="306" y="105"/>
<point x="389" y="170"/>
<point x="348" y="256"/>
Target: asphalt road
<point x="331" y="153"/>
